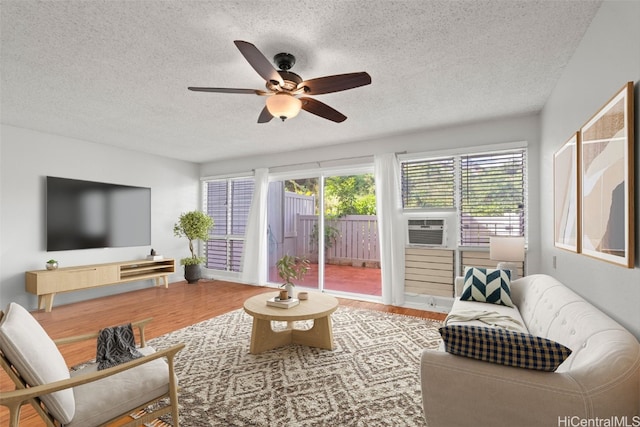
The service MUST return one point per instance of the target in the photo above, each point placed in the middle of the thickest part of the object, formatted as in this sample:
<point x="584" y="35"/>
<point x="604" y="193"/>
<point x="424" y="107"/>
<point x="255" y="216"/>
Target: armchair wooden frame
<point x="23" y="394"/>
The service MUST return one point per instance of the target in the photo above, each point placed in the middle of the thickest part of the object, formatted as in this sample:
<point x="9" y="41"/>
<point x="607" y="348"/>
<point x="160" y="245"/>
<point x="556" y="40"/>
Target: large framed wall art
<point x="565" y="194"/>
<point x="607" y="181"/>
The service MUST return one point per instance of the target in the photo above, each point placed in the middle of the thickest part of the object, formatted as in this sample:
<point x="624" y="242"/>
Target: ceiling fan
<point x="284" y="88"/>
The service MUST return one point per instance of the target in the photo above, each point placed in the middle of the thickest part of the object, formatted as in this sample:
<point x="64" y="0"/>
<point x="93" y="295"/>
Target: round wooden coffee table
<point x="318" y="307"/>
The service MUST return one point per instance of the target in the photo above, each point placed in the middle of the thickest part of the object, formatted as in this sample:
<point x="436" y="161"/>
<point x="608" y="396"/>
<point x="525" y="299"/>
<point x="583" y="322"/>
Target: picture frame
<point x="607" y="181"/>
<point x="565" y="194"/>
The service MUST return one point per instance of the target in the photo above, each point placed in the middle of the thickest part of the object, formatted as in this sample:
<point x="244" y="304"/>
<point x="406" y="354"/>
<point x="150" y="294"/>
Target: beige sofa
<point x="600" y="379"/>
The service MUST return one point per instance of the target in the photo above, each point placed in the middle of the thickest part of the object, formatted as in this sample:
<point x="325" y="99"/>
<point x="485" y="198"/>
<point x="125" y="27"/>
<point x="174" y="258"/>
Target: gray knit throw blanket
<point x="116" y="345"/>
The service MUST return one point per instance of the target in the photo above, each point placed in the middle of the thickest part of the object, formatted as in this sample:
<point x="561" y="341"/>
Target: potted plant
<point x="193" y="225"/>
<point x="52" y="264"/>
<point x="291" y="268"/>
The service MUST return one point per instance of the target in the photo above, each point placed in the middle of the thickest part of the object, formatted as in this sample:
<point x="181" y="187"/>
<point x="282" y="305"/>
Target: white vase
<point x="289" y="287"/>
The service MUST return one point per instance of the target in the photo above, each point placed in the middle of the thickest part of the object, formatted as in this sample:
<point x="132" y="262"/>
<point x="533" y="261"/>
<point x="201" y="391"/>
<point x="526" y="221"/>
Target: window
<point x="227" y="201"/>
<point x="488" y="189"/>
<point x="428" y="183"/>
<point x="492" y="196"/>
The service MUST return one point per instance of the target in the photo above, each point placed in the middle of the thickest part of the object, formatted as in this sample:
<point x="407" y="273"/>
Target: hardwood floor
<point x="174" y="308"/>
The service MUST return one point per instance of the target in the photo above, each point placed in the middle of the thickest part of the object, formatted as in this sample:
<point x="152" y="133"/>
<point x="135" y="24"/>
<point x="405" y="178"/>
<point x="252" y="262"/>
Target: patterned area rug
<point x="370" y="379"/>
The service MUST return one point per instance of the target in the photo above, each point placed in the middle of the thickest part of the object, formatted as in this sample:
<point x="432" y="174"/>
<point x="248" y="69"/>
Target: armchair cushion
<point x="97" y="403"/>
<point x="28" y="346"/>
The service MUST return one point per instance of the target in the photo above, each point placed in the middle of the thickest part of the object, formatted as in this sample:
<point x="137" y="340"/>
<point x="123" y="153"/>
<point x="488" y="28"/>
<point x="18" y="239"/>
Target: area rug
<point x="371" y="378"/>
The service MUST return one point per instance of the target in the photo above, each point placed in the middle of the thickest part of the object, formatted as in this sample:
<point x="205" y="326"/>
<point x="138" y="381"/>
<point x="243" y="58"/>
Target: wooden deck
<point x="343" y="278"/>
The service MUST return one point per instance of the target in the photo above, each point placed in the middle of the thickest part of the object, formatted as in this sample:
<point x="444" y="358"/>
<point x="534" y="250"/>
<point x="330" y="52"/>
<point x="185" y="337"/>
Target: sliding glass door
<point x="351" y="244"/>
<point x="342" y="244"/>
<point x="292" y="225"/>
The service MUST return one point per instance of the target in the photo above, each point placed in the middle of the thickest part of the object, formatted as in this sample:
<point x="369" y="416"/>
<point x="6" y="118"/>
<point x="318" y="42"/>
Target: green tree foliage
<point x="350" y="195"/>
<point x="307" y="186"/>
<point x="344" y="195"/>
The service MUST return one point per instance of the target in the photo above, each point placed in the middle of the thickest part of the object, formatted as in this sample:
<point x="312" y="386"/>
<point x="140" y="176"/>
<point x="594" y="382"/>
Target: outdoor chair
<point x="86" y="397"/>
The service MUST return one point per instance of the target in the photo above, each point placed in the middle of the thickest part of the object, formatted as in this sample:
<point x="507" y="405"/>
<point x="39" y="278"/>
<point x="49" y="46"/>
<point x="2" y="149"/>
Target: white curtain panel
<point x="254" y="257"/>
<point x="390" y="227"/>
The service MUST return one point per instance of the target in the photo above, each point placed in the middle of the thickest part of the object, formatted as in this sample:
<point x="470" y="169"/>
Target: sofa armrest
<point x="460" y="391"/>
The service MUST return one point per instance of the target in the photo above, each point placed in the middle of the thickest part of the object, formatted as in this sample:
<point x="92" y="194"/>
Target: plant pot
<point x="192" y="273"/>
<point x="289" y="289"/>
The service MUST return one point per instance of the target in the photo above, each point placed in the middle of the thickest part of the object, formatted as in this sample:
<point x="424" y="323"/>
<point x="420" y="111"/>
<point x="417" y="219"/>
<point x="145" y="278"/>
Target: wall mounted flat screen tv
<point x="86" y="214"/>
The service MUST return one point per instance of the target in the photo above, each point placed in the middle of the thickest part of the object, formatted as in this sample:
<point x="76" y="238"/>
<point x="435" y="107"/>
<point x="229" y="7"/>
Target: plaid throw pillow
<point x="487" y="285"/>
<point x="504" y="347"/>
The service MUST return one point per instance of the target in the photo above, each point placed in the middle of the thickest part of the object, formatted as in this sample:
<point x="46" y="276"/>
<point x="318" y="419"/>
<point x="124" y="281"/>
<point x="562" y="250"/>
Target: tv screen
<point x="86" y="214"/>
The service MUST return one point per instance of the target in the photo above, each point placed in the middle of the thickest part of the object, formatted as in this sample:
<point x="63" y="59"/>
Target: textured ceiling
<point x="116" y="72"/>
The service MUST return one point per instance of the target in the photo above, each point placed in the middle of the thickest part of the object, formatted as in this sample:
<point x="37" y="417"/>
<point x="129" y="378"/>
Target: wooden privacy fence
<point x="351" y="240"/>
<point x="294" y="205"/>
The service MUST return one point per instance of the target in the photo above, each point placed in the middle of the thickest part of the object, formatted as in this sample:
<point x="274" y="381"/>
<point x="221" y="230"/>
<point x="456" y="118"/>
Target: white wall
<point x="607" y="58"/>
<point x="26" y="157"/>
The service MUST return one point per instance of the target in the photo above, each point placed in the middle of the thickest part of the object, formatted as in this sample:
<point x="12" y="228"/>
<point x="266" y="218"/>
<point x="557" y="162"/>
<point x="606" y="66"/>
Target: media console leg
<point x="160" y="280"/>
<point x="46" y="301"/>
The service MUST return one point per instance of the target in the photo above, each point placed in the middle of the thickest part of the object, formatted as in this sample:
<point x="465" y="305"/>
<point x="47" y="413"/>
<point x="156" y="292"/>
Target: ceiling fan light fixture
<point x="283" y="105"/>
<point x="284" y="87"/>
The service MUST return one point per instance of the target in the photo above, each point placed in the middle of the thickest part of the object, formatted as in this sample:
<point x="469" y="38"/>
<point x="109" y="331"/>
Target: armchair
<point x="87" y="397"/>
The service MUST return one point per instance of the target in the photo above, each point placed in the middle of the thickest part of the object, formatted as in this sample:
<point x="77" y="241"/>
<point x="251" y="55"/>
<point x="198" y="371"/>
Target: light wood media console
<point x="47" y="283"/>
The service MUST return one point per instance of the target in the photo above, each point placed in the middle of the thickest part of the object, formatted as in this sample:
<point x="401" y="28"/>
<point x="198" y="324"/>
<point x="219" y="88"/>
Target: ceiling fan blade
<point x="265" y="116"/>
<point x="227" y="90"/>
<point x="335" y="83"/>
<point x="323" y="110"/>
<point x="258" y="61"/>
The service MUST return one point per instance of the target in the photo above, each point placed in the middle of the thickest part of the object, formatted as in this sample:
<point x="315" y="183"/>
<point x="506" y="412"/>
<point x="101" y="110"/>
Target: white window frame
<point x="457" y="154"/>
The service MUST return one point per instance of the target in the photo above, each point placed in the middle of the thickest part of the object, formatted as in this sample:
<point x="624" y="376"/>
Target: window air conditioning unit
<point x="427" y="231"/>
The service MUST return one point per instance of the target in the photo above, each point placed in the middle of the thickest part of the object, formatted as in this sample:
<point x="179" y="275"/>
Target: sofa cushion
<point x="487" y="285"/>
<point x="28" y="347"/>
<point x="504" y="347"/>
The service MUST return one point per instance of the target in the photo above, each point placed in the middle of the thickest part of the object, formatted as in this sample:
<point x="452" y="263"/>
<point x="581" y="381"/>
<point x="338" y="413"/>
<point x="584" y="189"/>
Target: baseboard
<point x="428" y="302"/>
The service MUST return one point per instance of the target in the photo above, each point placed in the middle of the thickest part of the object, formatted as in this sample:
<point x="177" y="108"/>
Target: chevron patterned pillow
<point x="487" y="285"/>
<point x="504" y="347"/>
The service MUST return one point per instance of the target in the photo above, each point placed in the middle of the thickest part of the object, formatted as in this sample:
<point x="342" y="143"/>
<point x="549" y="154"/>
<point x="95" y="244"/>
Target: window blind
<point x="216" y="206"/>
<point x="428" y="183"/>
<point x="227" y="201"/>
<point x="492" y="196"/>
<point x="241" y="195"/>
